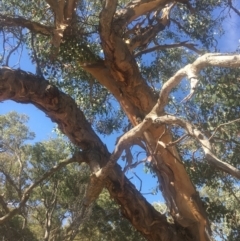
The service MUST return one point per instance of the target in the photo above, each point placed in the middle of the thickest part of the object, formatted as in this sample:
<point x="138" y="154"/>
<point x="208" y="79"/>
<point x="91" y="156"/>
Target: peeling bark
<point x="120" y="74"/>
<point x="174" y="181"/>
<point x="23" y="87"/>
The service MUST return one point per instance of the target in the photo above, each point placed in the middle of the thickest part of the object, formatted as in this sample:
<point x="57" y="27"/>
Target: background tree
<point x="119" y="65"/>
<point x="53" y="208"/>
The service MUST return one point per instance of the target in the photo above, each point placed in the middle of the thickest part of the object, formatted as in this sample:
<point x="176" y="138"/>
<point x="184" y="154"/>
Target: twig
<point x="140" y="188"/>
<point x="178" y="140"/>
<point x="207" y="148"/>
<point x="170" y="46"/>
<point x="230" y="122"/>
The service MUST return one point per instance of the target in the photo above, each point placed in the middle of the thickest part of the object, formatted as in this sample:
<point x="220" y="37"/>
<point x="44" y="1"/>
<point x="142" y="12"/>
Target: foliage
<point x="122" y="63"/>
<point x="58" y="197"/>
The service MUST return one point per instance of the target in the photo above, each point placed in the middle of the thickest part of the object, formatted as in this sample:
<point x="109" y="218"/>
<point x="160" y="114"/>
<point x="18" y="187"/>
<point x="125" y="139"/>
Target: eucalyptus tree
<point x="43" y="195"/>
<point x="121" y="65"/>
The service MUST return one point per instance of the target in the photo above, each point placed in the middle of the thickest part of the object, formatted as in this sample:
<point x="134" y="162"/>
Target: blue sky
<point x="43" y="127"/>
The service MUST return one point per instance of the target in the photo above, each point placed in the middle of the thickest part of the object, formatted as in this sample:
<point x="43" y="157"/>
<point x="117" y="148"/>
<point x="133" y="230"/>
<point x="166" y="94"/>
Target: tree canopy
<point x="151" y="70"/>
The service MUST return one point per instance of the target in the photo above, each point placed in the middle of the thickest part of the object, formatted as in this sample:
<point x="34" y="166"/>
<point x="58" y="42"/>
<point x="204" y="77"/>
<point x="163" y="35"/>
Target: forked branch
<point x="191" y="72"/>
<point x="35" y="27"/>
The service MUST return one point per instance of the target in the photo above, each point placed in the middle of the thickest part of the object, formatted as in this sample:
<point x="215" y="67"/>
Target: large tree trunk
<point x="23" y="87"/>
<point x="178" y="190"/>
<point x="120" y="75"/>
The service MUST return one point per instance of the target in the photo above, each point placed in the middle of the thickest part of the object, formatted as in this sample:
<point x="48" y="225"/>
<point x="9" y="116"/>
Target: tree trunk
<point x="23" y="87"/>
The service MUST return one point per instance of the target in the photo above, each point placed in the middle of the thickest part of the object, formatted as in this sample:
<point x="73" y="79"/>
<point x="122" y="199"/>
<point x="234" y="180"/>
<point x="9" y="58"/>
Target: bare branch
<point x="11" y="51"/>
<point x="194" y="132"/>
<point x="178" y="140"/>
<point x="146" y="37"/>
<point x="233" y="8"/>
<point x="191" y="71"/>
<point x="140" y="188"/>
<point x="223" y="124"/>
<point x="6" y="21"/>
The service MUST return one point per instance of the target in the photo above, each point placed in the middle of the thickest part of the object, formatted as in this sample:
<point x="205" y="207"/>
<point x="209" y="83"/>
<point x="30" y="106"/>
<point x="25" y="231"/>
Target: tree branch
<point x="3" y="203"/>
<point x="63" y="11"/>
<point x="233" y="8"/>
<point x="194" y="132"/>
<point x="106" y="17"/>
<point x="26" y="88"/>
<point x="223" y="124"/>
<point x="191" y="72"/>
<point x="6" y="21"/>
<point x="135" y="9"/>
<point x="169" y="46"/>
<point x="151" y="32"/>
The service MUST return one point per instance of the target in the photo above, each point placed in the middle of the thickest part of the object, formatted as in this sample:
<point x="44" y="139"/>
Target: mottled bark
<point x="120" y="74"/>
<point x="175" y="183"/>
<point x="23" y="87"/>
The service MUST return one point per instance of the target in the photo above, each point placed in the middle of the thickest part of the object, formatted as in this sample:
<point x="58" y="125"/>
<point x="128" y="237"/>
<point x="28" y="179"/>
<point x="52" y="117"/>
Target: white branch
<point x="137" y="8"/>
<point x="191" y="72"/>
<point x="194" y="132"/>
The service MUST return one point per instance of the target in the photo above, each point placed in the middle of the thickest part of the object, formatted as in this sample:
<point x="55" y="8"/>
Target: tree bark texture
<point x="120" y="74"/>
<point x="24" y="87"/>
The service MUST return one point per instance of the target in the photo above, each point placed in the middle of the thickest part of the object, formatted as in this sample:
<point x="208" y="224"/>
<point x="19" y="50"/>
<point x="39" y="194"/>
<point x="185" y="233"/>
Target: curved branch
<point x="6" y="21"/>
<point x="194" y="132"/>
<point x="191" y="72"/>
<point x="11" y="51"/>
<point x="26" y="88"/>
<point x="169" y="46"/>
<point x="135" y="9"/>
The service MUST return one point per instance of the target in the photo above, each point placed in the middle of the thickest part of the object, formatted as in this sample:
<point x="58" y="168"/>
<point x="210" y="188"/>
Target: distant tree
<point x="105" y="66"/>
<point x="52" y="208"/>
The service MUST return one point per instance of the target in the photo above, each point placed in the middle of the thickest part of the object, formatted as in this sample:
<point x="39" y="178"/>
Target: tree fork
<point x="24" y="87"/>
<point x="174" y="181"/>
